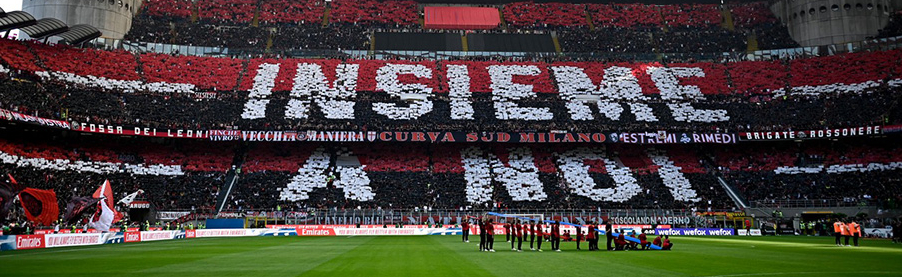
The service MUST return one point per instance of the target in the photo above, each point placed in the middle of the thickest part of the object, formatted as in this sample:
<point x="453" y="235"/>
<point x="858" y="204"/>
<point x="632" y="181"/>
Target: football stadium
<point x="450" y="138"/>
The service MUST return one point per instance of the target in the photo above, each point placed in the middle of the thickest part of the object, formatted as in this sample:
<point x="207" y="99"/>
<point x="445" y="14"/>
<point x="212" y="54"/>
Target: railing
<point x="815" y="203"/>
<point x="451" y="217"/>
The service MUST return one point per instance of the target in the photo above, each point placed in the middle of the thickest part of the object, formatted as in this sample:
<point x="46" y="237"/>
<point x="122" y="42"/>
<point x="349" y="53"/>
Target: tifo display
<point x="406" y="138"/>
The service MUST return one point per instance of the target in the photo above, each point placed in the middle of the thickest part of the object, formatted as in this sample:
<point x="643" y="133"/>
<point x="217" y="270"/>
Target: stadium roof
<point x="16" y="20"/>
<point x="2" y="13"/>
<point x="80" y="33"/>
<point x="45" y="27"/>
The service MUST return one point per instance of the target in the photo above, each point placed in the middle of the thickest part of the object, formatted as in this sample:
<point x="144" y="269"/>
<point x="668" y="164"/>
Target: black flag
<point x="77" y="206"/>
<point x="8" y="192"/>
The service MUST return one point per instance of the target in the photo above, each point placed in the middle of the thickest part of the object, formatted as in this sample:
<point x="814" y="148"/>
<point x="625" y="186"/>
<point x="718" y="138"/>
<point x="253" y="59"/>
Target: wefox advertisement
<point x="695" y="232"/>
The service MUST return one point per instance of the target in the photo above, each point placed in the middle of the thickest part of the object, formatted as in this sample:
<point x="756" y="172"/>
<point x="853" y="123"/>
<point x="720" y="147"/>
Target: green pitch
<point x="447" y="256"/>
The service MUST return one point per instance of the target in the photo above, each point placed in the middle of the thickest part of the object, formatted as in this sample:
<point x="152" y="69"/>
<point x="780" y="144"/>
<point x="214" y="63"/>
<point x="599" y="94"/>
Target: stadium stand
<point x="617" y="98"/>
<point x="207" y="93"/>
<point x="679" y="28"/>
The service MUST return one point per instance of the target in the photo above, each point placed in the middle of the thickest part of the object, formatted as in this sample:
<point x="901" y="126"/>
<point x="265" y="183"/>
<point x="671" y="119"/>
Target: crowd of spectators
<point x="232" y="11"/>
<point x="292" y="11"/>
<point x="336" y="36"/>
<point x="680" y="28"/>
<point x="185" y="175"/>
<point x="371" y="12"/>
<point x="441" y="176"/>
<point x="94" y="86"/>
<point x="529" y="15"/>
<point x="437" y="176"/>
<point x="856" y="171"/>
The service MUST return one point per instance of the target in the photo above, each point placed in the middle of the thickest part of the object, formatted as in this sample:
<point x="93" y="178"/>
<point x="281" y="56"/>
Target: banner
<point x="892" y="129"/>
<point x="132" y="237"/>
<point x="138" y="131"/>
<point x="695" y="232"/>
<point x="742" y="232"/>
<point x="671" y="138"/>
<point x="878" y="232"/>
<point x="307" y="232"/>
<point x="507" y="137"/>
<point x="30" y="242"/>
<point x="60" y="240"/>
<point x="14" y="116"/>
<point x="40" y="205"/>
<point x="673" y="220"/>
<point x="171" y="215"/>
<point x="812" y="134"/>
<point x="726" y="214"/>
<point x="158" y="235"/>
<point x="224" y="135"/>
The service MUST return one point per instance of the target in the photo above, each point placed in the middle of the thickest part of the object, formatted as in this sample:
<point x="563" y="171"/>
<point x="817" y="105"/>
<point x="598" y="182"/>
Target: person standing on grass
<point x="609" y="234"/>
<point x="490" y="229"/>
<point x="837" y="231"/>
<point x="507" y="231"/>
<point x="579" y="236"/>
<point x="524" y="230"/>
<point x="532" y="234"/>
<point x="590" y="236"/>
<point x="513" y="232"/>
<point x="855" y="231"/>
<point x="518" y="236"/>
<point x="482" y="235"/>
<point x="846" y="233"/>
<point x="540" y="232"/>
<point x="748" y="227"/>
<point x="465" y="227"/>
<point x="556" y="236"/>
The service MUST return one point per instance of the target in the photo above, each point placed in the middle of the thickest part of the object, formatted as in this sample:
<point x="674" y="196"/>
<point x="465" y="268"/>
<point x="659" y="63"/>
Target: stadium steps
<point x="194" y="15"/>
<point x="752" y="44"/>
<point x="727" y="19"/>
<point x="464" y="43"/>
<point x="140" y="68"/>
<point x="503" y="22"/>
<point x="272" y="33"/>
<point x="556" y="42"/>
<point x="589" y="20"/>
<point x="231" y="179"/>
<point x="256" y="21"/>
<point x="242" y="73"/>
<point x="734" y="194"/>
<point x="172" y="32"/>
<point x="326" y="15"/>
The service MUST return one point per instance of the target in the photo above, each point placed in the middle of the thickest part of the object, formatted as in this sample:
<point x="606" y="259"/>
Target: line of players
<point x="517" y="231"/>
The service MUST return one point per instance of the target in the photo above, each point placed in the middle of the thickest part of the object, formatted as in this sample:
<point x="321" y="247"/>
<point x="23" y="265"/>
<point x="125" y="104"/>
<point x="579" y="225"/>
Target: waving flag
<point x="78" y="206"/>
<point x="6" y="202"/>
<point x="40" y="205"/>
<point x="106" y="214"/>
<point x="8" y="192"/>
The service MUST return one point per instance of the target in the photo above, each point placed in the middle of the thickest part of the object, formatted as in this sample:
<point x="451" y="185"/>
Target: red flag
<point x="16" y="188"/>
<point x="40" y="205"/>
<point x="105" y="193"/>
